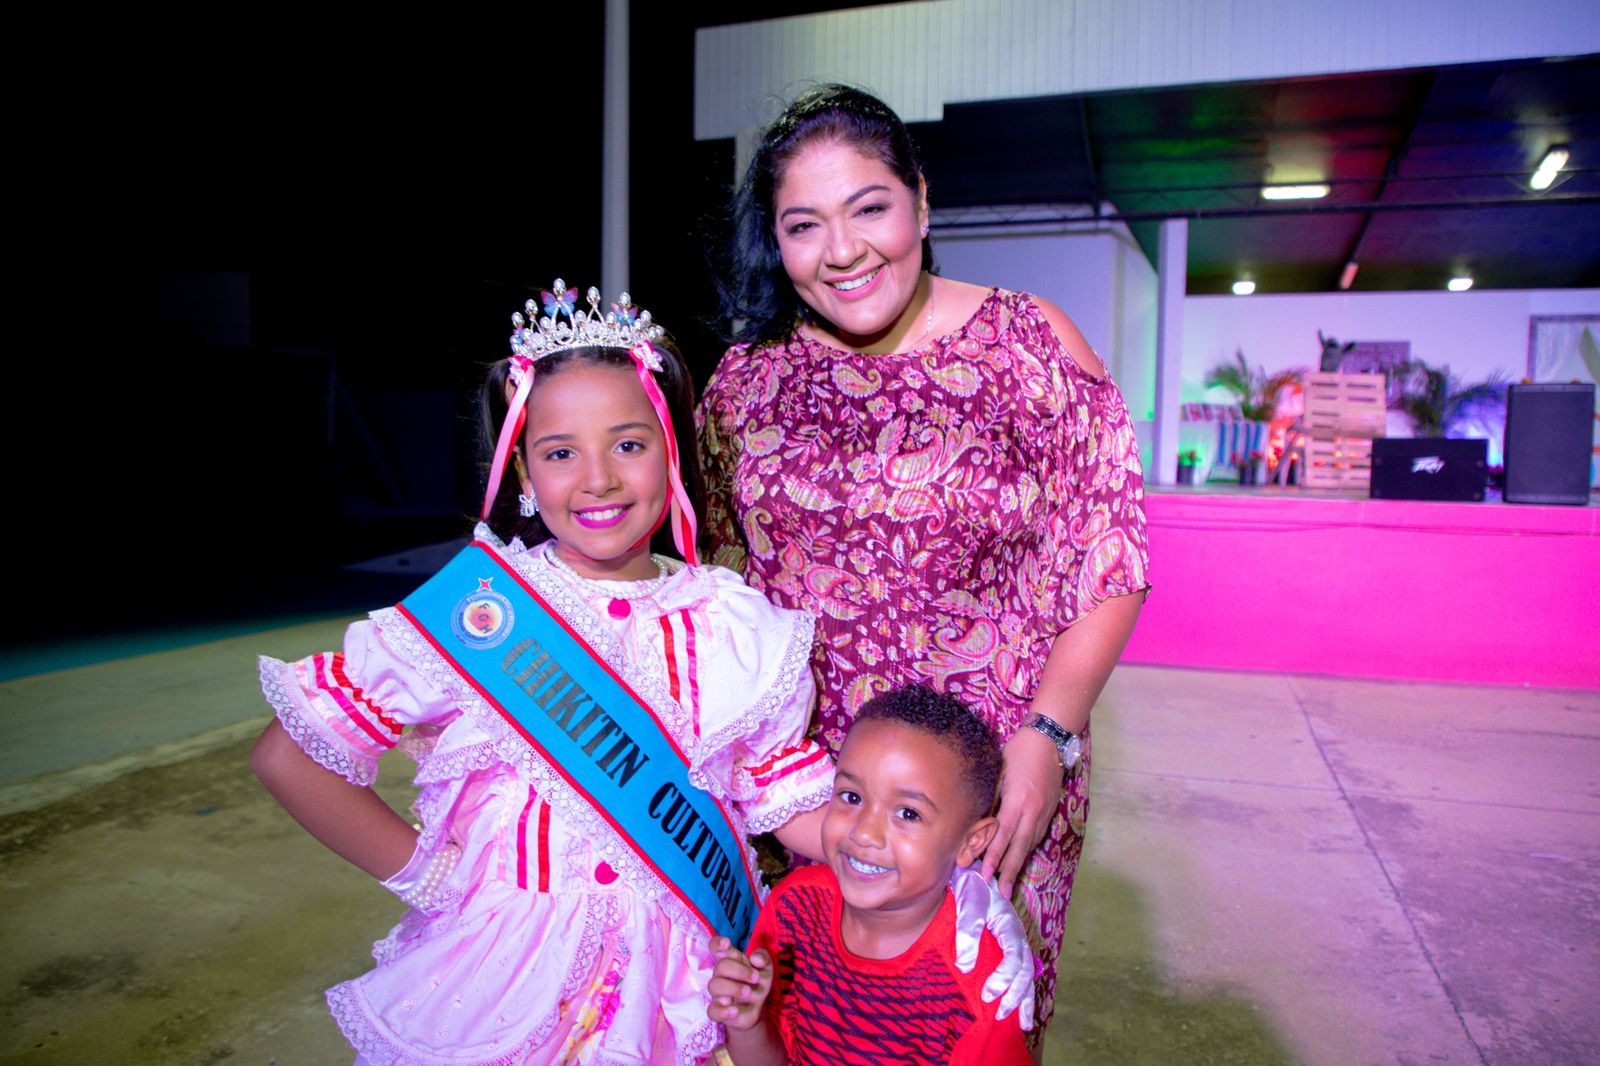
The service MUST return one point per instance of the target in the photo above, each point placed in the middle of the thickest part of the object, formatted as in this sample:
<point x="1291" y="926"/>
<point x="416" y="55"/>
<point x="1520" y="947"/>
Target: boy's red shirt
<point x="834" y="1008"/>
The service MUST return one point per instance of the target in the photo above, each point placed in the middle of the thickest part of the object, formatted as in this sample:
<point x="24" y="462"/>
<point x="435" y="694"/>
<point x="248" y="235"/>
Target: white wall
<point x="1106" y="284"/>
<point x="1100" y="279"/>
<point x="921" y="56"/>
<point x="1474" y="333"/>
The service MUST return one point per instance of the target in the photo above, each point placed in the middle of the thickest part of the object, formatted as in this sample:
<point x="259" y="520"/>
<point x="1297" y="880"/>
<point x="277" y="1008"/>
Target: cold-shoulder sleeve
<point x="1093" y="545"/>
<point x="717" y="422"/>
<point x="347" y="708"/>
<point x="756" y="708"/>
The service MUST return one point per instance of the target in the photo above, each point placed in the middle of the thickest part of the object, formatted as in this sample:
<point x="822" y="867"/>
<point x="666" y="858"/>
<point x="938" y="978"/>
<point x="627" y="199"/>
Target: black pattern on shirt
<point x="839" y="1016"/>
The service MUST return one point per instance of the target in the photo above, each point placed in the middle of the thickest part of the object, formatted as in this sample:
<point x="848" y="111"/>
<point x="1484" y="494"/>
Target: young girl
<point x="597" y="728"/>
<point x="563" y="891"/>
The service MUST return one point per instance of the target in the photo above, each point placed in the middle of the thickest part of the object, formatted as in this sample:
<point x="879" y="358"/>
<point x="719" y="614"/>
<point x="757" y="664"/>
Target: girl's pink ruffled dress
<point x="544" y="954"/>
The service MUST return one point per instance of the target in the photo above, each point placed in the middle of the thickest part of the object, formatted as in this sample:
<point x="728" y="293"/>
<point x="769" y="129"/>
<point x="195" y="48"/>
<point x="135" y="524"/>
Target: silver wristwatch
<point x="1068" y="745"/>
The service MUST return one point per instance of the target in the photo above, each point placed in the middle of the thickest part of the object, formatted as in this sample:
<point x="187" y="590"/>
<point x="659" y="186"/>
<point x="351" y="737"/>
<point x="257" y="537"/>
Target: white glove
<point x="421" y="882"/>
<point x="980" y="906"/>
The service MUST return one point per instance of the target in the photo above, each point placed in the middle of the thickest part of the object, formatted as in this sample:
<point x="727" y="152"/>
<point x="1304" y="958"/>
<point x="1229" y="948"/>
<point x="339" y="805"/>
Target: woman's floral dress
<point x="945" y="512"/>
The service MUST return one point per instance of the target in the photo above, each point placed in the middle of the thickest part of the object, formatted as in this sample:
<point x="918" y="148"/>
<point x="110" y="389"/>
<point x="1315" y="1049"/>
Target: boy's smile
<point x="899" y="822"/>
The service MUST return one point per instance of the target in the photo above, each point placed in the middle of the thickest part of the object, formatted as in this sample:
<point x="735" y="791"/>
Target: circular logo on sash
<point x="483" y="618"/>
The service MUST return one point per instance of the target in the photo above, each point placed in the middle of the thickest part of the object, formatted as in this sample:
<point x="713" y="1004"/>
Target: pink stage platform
<point x="1270" y="579"/>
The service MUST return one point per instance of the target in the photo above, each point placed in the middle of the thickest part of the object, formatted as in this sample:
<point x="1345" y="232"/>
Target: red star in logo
<point x="483" y="584"/>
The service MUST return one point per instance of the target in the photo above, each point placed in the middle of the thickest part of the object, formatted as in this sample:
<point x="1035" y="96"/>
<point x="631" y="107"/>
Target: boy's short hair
<point x="950" y="720"/>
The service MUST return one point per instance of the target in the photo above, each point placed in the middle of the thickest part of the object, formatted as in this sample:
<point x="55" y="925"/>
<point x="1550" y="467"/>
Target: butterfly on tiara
<point x="562" y="301"/>
<point x="625" y="312"/>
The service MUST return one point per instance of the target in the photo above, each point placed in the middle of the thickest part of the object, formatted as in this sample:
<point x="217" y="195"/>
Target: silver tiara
<point x="563" y="326"/>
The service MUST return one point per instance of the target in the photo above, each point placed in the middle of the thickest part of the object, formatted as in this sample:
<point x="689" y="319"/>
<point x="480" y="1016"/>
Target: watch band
<point x="1069" y="747"/>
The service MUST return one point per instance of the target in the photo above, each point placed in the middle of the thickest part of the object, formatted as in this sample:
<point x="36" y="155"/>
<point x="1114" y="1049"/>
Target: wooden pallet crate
<point x="1345" y="405"/>
<point x="1338" y="463"/>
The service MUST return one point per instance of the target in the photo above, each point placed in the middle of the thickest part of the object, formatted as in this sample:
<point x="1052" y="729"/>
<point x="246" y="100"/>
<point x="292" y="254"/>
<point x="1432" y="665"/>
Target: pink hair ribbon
<point x="516" y="416"/>
<point x="679" y="507"/>
<point x="684" y="533"/>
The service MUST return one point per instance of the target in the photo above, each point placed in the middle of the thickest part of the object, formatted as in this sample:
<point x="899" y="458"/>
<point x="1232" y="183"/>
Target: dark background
<point x="276" y="267"/>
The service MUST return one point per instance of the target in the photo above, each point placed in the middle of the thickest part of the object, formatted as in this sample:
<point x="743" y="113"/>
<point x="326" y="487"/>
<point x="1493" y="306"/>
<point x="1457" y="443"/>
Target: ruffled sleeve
<point x="1094" y="545"/>
<point x="756" y="708"/>
<point x="717" y="421"/>
<point x="346" y="709"/>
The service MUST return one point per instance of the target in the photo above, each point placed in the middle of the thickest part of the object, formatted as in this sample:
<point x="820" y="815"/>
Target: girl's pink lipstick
<point x="600" y="517"/>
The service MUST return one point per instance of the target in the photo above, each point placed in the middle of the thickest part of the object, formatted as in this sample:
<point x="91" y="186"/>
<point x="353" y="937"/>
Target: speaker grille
<point x="1549" y="442"/>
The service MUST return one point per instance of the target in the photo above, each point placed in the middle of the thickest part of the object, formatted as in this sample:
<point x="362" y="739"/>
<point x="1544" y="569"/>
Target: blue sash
<point x="588" y="725"/>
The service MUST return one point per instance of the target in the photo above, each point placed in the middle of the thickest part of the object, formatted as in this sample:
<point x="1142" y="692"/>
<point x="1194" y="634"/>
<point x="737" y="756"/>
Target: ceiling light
<point x="1549" y="167"/>
<point x="1244" y="287"/>
<point x="1460" y="283"/>
<point x="1348" y="277"/>
<point x="1293" y="192"/>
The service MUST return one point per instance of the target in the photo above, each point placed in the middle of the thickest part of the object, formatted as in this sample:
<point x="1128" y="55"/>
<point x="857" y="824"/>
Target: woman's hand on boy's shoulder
<point x="739" y="985"/>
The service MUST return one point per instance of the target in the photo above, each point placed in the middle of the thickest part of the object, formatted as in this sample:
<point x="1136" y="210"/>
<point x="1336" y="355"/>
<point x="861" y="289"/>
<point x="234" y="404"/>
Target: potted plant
<point x="1436" y="401"/>
<point x="1256" y="390"/>
<point x="1187" y="461"/>
<point x="1249" y="467"/>
<point x="1257" y="394"/>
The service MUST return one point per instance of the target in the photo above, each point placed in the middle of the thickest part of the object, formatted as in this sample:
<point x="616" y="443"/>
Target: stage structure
<point x="1272" y="580"/>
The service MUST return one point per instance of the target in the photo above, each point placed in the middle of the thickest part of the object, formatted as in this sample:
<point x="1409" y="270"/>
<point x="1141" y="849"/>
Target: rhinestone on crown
<point x="564" y="326"/>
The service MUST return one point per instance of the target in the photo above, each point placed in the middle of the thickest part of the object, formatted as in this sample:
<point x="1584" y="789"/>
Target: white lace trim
<point x="440" y="767"/>
<point x="388" y="949"/>
<point x="613" y="588"/>
<point x="282" y="691"/>
<point x="432" y="808"/>
<point x="418" y="742"/>
<point x="350" y="1012"/>
<point x="796" y="660"/>
<point x="809" y="800"/>
<point x="696" y="1048"/>
<point x="603" y="915"/>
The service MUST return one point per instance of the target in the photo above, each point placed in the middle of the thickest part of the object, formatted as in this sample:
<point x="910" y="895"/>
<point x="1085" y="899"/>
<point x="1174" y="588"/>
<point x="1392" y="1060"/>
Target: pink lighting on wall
<point x="1469" y="592"/>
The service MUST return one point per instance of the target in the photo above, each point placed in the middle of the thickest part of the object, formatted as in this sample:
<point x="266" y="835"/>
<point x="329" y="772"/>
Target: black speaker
<point x="1429" y="468"/>
<point x="1549" y="443"/>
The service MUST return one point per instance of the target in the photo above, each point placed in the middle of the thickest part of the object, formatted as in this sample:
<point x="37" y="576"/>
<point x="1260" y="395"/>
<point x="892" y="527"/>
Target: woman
<point x="941" y="472"/>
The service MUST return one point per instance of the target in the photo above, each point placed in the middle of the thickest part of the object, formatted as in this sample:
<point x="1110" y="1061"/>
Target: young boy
<point x="851" y="962"/>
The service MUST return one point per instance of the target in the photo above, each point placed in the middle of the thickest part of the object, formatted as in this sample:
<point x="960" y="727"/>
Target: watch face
<point x="1068" y="746"/>
<point x="1071" y="752"/>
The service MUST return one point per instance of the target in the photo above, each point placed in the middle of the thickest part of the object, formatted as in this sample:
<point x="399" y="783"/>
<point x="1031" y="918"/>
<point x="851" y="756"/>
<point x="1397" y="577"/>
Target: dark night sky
<point x="300" y="252"/>
<point x="268" y="236"/>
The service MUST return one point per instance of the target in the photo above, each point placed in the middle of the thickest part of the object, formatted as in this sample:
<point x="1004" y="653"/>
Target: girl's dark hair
<point x="758" y="302"/>
<point x="676" y="387"/>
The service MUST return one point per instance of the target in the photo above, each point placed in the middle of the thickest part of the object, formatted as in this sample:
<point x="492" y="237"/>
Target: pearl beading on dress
<point x="617" y="594"/>
<point x="425" y="892"/>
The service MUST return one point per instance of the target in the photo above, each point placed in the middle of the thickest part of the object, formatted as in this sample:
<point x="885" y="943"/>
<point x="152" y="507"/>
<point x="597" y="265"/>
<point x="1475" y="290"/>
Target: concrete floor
<point x="1279" y="870"/>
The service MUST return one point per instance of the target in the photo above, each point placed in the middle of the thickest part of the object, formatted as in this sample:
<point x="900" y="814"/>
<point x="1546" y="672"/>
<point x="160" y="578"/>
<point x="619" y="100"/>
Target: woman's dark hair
<point x="758" y="302"/>
<point x="676" y="387"/>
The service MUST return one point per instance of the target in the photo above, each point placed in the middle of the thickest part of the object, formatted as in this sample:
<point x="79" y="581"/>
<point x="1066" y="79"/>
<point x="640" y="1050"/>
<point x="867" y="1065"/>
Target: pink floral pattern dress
<point x="945" y="513"/>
